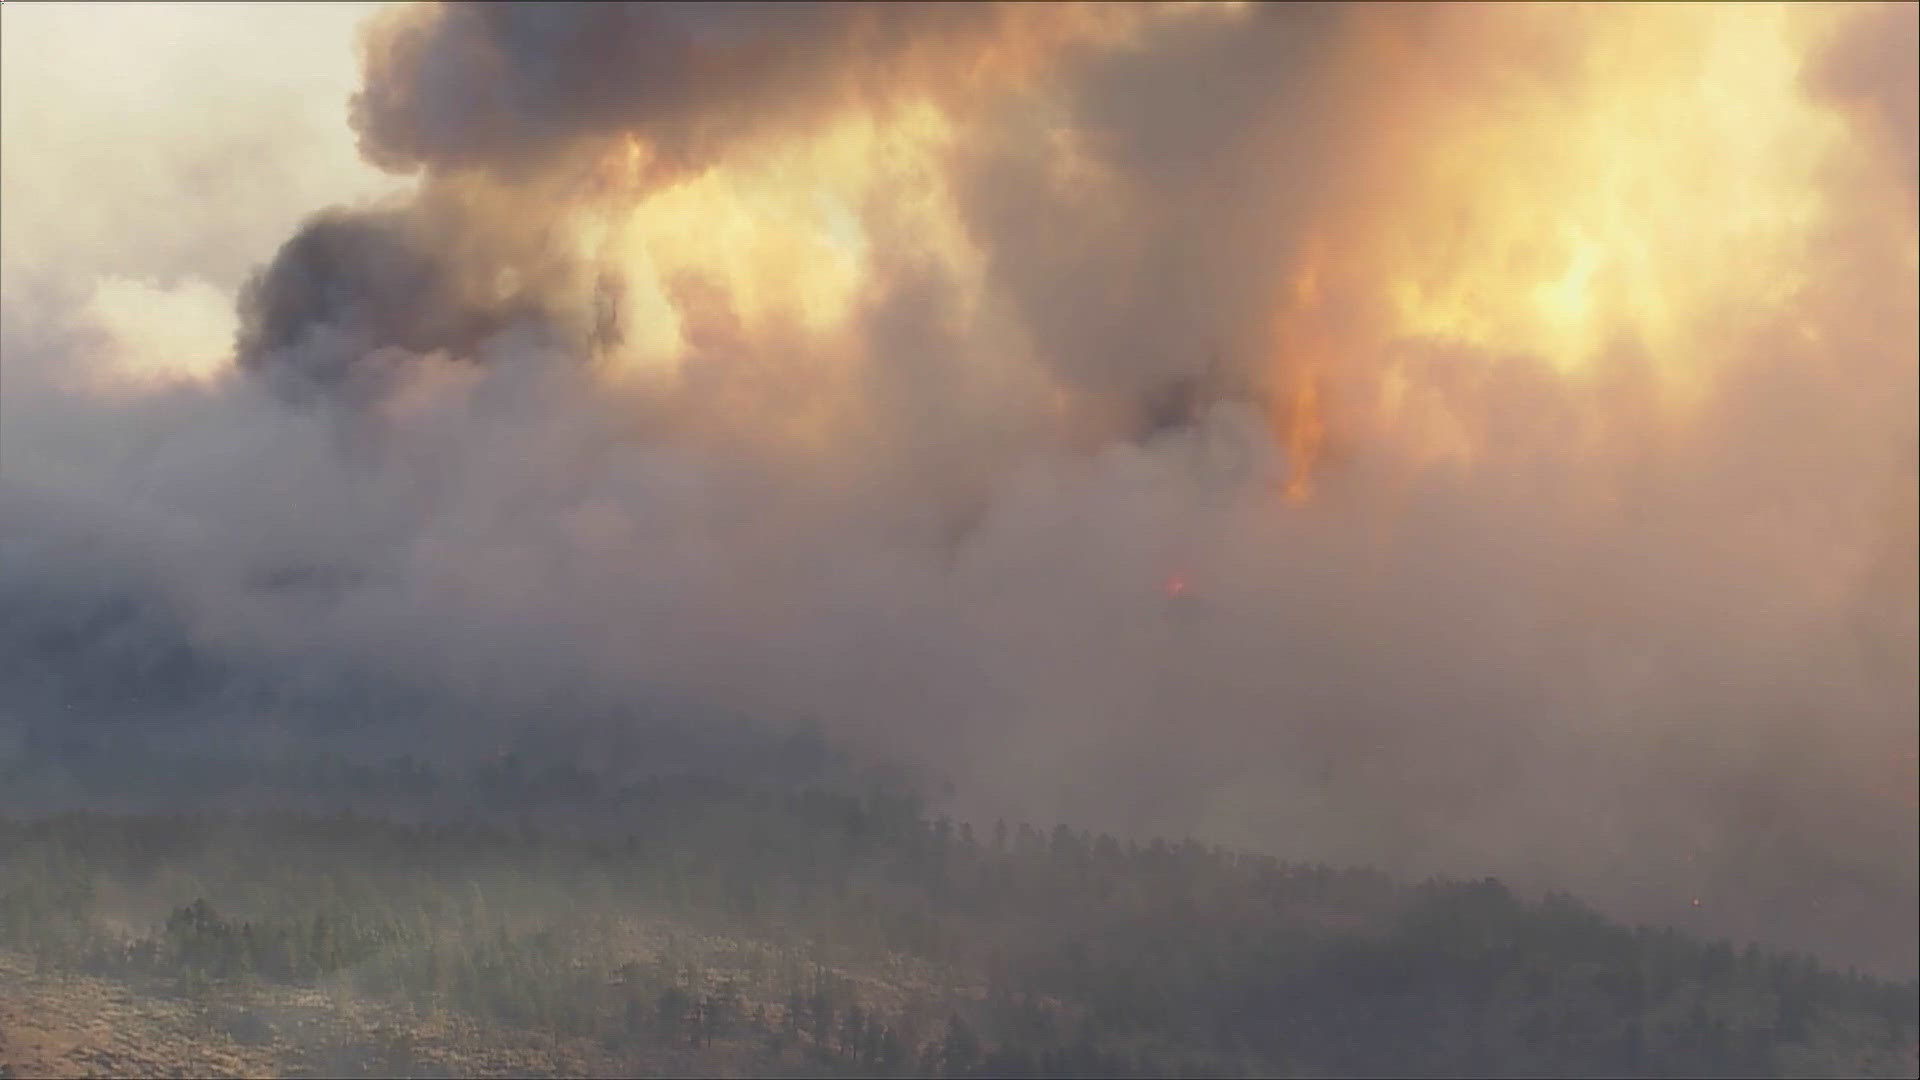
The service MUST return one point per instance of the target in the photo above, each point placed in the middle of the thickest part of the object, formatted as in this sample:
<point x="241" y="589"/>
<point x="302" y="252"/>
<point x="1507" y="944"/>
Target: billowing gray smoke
<point x="508" y="88"/>
<point x="1023" y="497"/>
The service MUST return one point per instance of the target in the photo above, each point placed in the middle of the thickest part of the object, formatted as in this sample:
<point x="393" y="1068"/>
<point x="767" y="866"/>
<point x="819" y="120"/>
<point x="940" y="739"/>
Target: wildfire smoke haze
<point x="1525" y="396"/>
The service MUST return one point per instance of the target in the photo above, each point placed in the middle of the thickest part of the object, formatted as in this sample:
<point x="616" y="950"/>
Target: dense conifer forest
<point x="817" y="930"/>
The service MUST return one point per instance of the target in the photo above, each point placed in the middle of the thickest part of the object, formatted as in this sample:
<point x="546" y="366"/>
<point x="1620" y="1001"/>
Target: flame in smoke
<point x="1662" y="188"/>
<point x="1682" y="171"/>
<point x="1303" y="349"/>
<point x="773" y="245"/>
<point x="1646" y="180"/>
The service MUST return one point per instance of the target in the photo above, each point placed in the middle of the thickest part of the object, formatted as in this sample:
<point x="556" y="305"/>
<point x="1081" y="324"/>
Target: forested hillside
<point x="687" y="923"/>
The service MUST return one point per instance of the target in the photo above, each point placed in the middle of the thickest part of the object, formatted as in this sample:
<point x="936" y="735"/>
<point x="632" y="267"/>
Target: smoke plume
<point x="1462" y="439"/>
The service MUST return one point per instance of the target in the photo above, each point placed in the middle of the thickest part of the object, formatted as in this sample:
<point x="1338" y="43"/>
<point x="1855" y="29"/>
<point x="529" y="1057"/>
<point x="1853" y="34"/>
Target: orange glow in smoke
<point x="1642" y="185"/>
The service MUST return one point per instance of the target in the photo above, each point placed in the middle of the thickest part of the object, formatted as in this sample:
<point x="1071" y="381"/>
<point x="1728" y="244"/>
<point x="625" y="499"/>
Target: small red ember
<point x="1176" y="584"/>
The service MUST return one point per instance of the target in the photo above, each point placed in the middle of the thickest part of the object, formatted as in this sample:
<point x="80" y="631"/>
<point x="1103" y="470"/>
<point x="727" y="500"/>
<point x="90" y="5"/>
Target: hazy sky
<point x="1463" y="439"/>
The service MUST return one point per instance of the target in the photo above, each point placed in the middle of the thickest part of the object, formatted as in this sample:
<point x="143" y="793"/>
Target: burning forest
<point x="1475" y="443"/>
